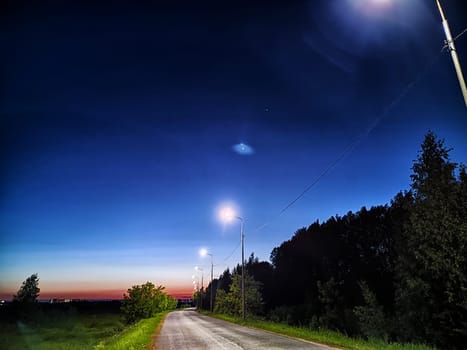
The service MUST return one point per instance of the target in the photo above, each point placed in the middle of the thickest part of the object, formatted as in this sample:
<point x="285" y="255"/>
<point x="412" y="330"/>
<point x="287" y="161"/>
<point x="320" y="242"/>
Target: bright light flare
<point x="203" y="252"/>
<point x="372" y="7"/>
<point x="227" y="214"/>
<point x="226" y="211"/>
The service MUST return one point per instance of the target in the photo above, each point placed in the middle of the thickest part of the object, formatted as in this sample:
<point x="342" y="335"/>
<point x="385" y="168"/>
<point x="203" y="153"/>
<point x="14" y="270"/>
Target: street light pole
<point x="242" y="238"/>
<point x="212" y="267"/>
<point x="229" y="214"/>
<point x="197" y="268"/>
<point x="196" y="288"/>
<point x="243" y="268"/>
<point x="204" y="252"/>
<point x="452" y="50"/>
<point x="202" y="276"/>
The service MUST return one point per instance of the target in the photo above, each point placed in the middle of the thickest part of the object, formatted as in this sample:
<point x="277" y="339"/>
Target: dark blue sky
<point x="118" y="121"/>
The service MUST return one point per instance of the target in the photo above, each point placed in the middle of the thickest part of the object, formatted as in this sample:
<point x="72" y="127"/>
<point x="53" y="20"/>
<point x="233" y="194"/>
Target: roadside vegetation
<point x="331" y="338"/>
<point x="139" y="336"/>
<point x="108" y="325"/>
<point x="71" y="331"/>
<point x="392" y="274"/>
<point x="60" y="328"/>
<point x="145" y="301"/>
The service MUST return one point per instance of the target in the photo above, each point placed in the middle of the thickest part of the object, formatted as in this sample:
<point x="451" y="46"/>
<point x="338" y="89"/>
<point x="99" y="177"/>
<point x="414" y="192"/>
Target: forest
<point x="395" y="272"/>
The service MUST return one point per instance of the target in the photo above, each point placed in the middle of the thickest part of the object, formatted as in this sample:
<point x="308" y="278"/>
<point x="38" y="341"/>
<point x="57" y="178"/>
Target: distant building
<point x="61" y="301"/>
<point x="185" y="300"/>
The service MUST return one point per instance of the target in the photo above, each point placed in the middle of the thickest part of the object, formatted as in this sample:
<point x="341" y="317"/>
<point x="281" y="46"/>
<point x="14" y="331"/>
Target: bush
<point x="145" y="301"/>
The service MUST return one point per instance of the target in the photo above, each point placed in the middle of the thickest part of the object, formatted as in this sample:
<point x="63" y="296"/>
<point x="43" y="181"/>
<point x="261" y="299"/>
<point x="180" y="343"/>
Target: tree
<point x="432" y="263"/>
<point x="371" y="316"/>
<point x="263" y="272"/>
<point x="331" y="301"/>
<point x="224" y="303"/>
<point x="144" y="301"/>
<point x="29" y="290"/>
<point x="225" y="280"/>
<point x="231" y="302"/>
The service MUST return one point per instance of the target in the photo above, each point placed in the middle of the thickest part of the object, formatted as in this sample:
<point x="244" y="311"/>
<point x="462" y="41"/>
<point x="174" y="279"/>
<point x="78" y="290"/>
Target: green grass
<point x="136" y="337"/>
<point x="330" y="338"/>
<point x="68" y="332"/>
<point x="79" y="332"/>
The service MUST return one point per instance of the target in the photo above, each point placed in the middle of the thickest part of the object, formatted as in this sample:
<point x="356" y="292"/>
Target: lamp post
<point x="228" y="214"/>
<point x="452" y="49"/>
<point x="204" y="252"/>
<point x="197" y="268"/>
<point x="196" y="288"/>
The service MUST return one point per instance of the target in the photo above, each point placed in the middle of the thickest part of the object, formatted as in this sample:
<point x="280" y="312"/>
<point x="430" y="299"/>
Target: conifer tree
<point x="432" y="269"/>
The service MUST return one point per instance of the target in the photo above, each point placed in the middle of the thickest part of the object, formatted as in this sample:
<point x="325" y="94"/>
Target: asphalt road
<point x="189" y="330"/>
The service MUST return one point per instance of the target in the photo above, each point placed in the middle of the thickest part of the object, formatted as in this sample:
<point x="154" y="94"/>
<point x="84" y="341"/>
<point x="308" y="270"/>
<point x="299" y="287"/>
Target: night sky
<point x="118" y="122"/>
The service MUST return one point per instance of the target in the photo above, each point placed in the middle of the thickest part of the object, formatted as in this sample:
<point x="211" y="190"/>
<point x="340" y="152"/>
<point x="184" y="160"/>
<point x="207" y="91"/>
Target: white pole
<point x="242" y="240"/>
<point x="243" y="269"/>
<point x="212" y="267"/>
<point x="452" y="49"/>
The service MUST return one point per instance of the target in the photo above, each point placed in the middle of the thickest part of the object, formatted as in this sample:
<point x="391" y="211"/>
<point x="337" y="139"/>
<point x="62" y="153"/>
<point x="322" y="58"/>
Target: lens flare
<point x="243" y="149"/>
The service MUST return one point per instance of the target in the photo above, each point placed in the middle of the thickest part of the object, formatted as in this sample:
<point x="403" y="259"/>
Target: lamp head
<point x="227" y="214"/>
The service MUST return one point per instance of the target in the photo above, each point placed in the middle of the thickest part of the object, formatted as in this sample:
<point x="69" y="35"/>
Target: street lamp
<point x="452" y="49"/>
<point x="197" y="268"/>
<point x="200" y="299"/>
<point x="204" y="252"/>
<point x="196" y="287"/>
<point x="228" y="214"/>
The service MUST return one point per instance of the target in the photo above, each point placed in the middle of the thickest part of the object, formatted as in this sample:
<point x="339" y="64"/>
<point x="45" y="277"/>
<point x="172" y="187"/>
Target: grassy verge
<point x="136" y="337"/>
<point x="330" y="338"/>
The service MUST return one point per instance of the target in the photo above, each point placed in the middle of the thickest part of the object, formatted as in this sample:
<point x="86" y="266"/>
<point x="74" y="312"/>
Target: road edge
<point x="275" y="333"/>
<point x="152" y="344"/>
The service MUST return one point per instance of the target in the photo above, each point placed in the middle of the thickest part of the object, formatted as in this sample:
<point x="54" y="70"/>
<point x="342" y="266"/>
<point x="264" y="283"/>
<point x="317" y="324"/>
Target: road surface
<point x="189" y="330"/>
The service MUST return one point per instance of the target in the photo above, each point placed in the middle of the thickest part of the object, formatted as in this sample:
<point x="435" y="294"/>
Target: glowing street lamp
<point x="203" y="252"/>
<point x="228" y="214"/>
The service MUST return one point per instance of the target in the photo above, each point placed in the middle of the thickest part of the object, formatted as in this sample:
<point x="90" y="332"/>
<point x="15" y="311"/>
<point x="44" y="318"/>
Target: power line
<point x="233" y="251"/>
<point x="351" y="146"/>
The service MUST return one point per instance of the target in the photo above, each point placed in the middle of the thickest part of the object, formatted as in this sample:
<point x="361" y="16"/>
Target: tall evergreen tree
<point x="432" y="265"/>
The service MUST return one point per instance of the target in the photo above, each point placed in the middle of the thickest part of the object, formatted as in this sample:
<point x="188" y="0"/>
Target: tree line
<point x="139" y="302"/>
<point x="396" y="272"/>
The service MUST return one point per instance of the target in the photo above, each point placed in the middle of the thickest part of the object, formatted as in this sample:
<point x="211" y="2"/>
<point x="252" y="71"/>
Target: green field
<point x="78" y="331"/>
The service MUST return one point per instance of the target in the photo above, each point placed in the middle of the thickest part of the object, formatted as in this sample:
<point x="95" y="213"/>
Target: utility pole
<point x="242" y="232"/>
<point x="452" y="49"/>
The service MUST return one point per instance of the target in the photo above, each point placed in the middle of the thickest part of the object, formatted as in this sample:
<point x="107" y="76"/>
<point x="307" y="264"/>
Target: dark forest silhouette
<point x="392" y="272"/>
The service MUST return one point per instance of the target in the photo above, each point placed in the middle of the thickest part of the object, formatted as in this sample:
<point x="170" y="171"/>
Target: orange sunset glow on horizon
<point x="113" y="294"/>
